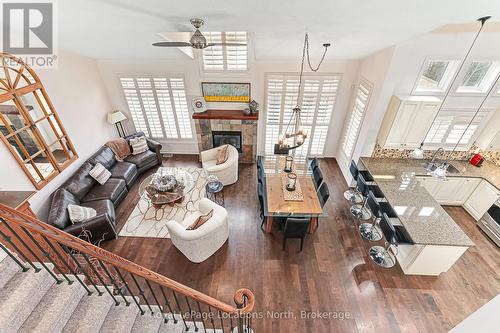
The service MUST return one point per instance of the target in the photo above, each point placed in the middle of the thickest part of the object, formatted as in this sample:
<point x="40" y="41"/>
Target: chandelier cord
<point x="305" y="52"/>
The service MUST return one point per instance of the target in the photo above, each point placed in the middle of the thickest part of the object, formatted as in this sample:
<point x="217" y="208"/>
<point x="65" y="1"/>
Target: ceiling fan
<point x="197" y="41"/>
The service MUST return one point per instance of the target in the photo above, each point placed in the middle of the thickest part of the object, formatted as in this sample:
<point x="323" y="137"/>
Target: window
<point x="436" y="76"/>
<point x="231" y="58"/>
<point x="356" y="117"/>
<point x="158" y="106"/>
<point x="479" y="77"/>
<point x="449" y="126"/>
<point x="318" y="101"/>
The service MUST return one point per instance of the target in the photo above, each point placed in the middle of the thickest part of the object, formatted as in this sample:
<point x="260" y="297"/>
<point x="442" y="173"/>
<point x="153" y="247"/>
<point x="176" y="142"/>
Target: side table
<point x="215" y="192"/>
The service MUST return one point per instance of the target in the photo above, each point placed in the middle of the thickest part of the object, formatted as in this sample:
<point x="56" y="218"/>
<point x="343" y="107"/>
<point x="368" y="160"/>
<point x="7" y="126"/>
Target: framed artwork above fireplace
<point x="230" y="92"/>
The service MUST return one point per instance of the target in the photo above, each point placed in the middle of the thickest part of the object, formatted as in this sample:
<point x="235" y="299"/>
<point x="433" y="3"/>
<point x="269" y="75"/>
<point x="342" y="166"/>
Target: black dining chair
<point x="318" y="177"/>
<point x="260" y="175"/>
<point x="260" y="194"/>
<point x="323" y="194"/>
<point x="295" y="228"/>
<point x="314" y="164"/>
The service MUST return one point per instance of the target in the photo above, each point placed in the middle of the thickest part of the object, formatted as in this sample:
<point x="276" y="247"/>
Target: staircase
<point x="60" y="293"/>
<point x="34" y="302"/>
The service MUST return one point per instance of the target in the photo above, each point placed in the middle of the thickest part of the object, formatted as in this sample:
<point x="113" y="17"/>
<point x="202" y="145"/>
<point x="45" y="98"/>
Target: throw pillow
<point x="139" y="145"/>
<point x="100" y="173"/>
<point x="79" y="213"/>
<point x="201" y="220"/>
<point x="222" y="154"/>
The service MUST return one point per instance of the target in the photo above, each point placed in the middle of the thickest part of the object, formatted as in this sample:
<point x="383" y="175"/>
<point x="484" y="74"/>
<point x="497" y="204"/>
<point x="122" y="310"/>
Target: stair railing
<point x="97" y="270"/>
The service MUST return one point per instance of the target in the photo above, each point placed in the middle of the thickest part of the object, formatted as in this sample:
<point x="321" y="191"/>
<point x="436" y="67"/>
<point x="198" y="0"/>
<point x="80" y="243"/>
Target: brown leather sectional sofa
<point x="81" y="189"/>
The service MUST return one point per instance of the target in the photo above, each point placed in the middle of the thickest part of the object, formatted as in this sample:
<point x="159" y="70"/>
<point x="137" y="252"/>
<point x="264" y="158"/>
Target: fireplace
<point x="227" y="137"/>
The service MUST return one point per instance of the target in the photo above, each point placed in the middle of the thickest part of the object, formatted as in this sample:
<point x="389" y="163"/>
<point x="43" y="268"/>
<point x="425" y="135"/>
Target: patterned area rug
<point x="145" y="221"/>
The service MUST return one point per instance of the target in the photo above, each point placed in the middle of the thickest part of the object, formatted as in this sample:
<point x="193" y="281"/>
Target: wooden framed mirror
<point x="29" y="125"/>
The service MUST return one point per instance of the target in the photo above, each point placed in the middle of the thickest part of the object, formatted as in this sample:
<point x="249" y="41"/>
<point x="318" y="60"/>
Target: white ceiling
<point x="127" y="28"/>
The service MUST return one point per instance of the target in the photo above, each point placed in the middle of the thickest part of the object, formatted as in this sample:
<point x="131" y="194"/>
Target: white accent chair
<point x="199" y="244"/>
<point x="226" y="172"/>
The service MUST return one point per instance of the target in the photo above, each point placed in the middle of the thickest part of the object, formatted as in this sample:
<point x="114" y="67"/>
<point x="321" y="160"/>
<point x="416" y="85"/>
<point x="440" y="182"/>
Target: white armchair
<point x="199" y="244"/>
<point x="227" y="172"/>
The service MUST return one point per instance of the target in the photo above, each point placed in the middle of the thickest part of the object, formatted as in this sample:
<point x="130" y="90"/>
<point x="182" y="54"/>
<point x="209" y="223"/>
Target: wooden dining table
<point x="275" y="203"/>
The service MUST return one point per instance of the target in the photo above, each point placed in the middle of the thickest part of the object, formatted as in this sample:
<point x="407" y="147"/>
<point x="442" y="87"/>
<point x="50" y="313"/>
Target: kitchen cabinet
<point x="454" y="191"/>
<point x="481" y="199"/>
<point x="407" y="121"/>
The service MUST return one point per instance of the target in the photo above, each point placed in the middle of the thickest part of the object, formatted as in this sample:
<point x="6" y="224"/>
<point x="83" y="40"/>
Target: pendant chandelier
<point x="294" y="134"/>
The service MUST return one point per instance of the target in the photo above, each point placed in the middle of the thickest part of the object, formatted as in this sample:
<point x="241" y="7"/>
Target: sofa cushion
<point x="111" y="190"/>
<point x="58" y="211"/>
<point x="142" y="159"/>
<point x="81" y="182"/>
<point x="126" y="171"/>
<point x="80" y="213"/>
<point x="105" y="156"/>
<point x="139" y="145"/>
<point x="102" y="207"/>
<point x="100" y="173"/>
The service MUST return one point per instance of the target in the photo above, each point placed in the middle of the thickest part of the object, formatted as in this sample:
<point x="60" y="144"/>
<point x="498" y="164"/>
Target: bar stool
<point x="371" y="231"/>
<point x="360" y="211"/>
<point x="394" y="236"/>
<point x="352" y="194"/>
<point x="379" y="254"/>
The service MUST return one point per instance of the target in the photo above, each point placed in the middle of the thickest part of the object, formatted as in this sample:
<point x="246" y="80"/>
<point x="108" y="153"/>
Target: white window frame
<point x="225" y="70"/>
<point x="450" y="75"/>
<point x="347" y="126"/>
<point x="475" y="92"/>
<point x="485" y="113"/>
<point x="311" y="126"/>
<point x="147" y="129"/>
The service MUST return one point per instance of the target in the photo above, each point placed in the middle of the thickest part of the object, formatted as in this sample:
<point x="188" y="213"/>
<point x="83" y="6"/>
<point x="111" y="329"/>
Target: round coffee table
<point x="215" y="192"/>
<point x="157" y="200"/>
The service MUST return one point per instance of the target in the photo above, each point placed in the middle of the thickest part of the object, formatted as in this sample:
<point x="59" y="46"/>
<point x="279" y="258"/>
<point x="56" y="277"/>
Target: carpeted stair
<point x="33" y="302"/>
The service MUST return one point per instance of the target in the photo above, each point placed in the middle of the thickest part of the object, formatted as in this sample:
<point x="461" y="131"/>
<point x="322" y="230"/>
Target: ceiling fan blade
<point x="226" y="44"/>
<point x="172" y="44"/>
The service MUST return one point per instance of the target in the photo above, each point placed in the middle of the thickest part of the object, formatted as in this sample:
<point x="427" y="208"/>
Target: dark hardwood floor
<point x="333" y="273"/>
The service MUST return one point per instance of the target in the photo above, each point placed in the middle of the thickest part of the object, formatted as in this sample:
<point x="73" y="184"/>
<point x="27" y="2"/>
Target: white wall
<point x="80" y="99"/>
<point x="191" y="69"/>
<point x="373" y="69"/>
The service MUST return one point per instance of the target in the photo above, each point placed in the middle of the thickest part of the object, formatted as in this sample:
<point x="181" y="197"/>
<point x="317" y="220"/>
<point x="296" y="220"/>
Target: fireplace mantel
<point x="225" y="114"/>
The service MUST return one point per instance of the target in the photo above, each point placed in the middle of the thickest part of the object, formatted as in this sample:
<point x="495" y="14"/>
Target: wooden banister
<point x="40" y="228"/>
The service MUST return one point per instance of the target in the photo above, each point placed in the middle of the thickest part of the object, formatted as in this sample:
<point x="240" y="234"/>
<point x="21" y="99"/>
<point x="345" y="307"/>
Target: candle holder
<point x="288" y="164"/>
<point x="291" y="181"/>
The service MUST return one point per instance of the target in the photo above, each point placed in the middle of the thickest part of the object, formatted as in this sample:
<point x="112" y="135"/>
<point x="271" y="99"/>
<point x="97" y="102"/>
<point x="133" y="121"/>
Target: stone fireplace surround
<point x="231" y="121"/>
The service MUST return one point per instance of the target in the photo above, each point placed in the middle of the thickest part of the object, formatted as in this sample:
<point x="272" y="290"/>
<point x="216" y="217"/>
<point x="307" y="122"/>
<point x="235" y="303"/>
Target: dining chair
<point x="323" y="194"/>
<point x="314" y="163"/>
<point x="260" y="194"/>
<point x="318" y="177"/>
<point x="260" y="175"/>
<point x="295" y="228"/>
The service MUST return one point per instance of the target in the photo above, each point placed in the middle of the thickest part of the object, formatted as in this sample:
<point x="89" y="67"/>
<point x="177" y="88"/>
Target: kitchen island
<point x="438" y="242"/>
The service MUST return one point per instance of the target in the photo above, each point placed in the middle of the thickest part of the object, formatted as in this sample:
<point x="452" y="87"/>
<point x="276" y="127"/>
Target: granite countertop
<point x="388" y="168"/>
<point x="422" y="216"/>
